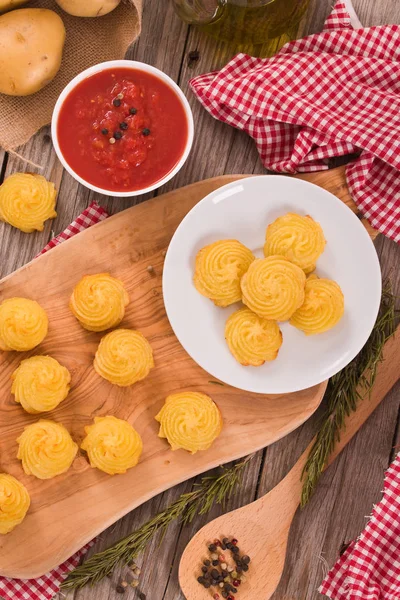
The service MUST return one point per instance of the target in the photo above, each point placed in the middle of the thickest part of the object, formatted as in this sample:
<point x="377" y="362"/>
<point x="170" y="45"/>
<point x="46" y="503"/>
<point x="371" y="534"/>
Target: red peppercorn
<point x="234" y="542"/>
<point x="217" y="543"/>
<point x="236" y="582"/>
<point x="221" y="558"/>
<point x="230" y="597"/>
<point x="217" y="597"/>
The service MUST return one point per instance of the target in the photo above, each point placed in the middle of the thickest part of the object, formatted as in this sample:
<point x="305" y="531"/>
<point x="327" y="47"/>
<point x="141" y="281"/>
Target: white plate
<point x="242" y="210"/>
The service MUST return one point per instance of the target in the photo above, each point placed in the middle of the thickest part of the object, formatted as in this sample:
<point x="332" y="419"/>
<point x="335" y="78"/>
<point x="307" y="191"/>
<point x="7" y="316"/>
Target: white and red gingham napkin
<point x="369" y="569"/>
<point x="326" y="95"/>
<point x="45" y="587"/>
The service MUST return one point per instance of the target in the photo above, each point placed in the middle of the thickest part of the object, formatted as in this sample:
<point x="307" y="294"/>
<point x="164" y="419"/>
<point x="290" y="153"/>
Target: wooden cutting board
<point x="68" y="511"/>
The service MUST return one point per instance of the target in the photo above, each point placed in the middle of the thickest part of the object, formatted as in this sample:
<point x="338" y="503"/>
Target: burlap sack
<point x="88" y="42"/>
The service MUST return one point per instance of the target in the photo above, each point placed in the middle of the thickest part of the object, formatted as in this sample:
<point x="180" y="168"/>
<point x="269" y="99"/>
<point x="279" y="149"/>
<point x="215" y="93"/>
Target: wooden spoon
<point x="262" y="527"/>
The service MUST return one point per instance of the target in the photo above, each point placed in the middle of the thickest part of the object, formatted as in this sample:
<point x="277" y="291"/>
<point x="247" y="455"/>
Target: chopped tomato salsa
<point x="122" y="129"/>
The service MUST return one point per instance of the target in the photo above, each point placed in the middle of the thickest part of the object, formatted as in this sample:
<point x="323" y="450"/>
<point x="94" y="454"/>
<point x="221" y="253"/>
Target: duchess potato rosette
<point x="112" y="445"/>
<point x="123" y="357"/>
<point x="27" y="200"/>
<point x="251" y="339"/>
<point x="99" y="301"/>
<point x="189" y="420"/>
<point x="273" y="288"/>
<point x="46" y="449"/>
<point x="14" y="503"/>
<point x="298" y="238"/>
<point x="23" y="324"/>
<point x="219" y="269"/>
<point x="323" y="306"/>
<point x="40" y="384"/>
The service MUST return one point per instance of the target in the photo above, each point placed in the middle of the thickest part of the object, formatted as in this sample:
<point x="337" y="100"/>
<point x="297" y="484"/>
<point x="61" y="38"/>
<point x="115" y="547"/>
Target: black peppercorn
<point x="212" y="547"/>
<point x="117" y="135"/>
<point x="214" y="574"/>
<point x="123" y="125"/>
<point x="207" y="563"/>
<point x="142" y="596"/>
<point x="204" y="569"/>
<point x="245" y="568"/>
<point x="229" y="546"/>
<point x="120" y="590"/>
<point x="104" y="131"/>
<point x="235" y="550"/>
<point x="146" y="132"/>
<point x="201" y="579"/>
<point x="133" y="110"/>
<point x="215" y="563"/>
<point x="207" y="584"/>
<point x="117" y="102"/>
<point x="246" y="559"/>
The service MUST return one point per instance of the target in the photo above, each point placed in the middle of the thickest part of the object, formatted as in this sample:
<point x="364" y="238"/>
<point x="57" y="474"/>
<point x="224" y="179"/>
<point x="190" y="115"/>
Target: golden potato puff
<point x="298" y="238"/>
<point x="273" y="288"/>
<point x="323" y="306"/>
<point x="40" y="383"/>
<point x="99" y="301"/>
<point x="27" y="200"/>
<point x="251" y="339"/>
<point x="23" y="324"/>
<point x="123" y="357"/>
<point x="112" y="445"/>
<point x="46" y="449"/>
<point x="190" y="420"/>
<point x="219" y="269"/>
<point x="14" y="503"/>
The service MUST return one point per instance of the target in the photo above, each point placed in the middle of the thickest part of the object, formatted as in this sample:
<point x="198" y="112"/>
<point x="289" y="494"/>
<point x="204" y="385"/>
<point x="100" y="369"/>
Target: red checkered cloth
<point x="369" y="569"/>
<point x="326" y="95"/>
<point x="47" y="586"/>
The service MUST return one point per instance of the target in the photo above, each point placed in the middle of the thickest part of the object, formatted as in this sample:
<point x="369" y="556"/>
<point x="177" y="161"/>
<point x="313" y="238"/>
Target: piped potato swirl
<point x="273" y="288"/>
<point x="219" y="269"/>
<point x="99" y="302"/>
<point x="27" y="200"/>
<point x="23" y="324"/>
<point x="298" y="238"/>
<point x="14" y="503"/>
<point x="40" y="384"/>
<point x="112" y="445"/>
<point x="251" y="339"/>
<point x="124" y="356"/>
<point x="323" y="306"/>
<point x="46" y="449"/>
<point x="190" y="420"/>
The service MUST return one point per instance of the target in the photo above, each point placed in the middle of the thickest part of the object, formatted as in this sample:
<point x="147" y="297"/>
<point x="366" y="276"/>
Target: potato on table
<point x="89" y="8"/>
<point x="10" y="4"/>
<point x="31" y="45"/>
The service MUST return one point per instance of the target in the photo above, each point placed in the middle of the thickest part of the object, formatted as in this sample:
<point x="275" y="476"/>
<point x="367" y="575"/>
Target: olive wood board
<point x="71" y="509"/>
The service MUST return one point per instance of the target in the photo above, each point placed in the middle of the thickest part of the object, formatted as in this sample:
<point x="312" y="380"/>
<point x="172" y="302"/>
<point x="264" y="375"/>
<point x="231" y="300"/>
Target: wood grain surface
<point x="263" y="526"/>
<point x="349" y="488"/>
<point x="62" y="517"/>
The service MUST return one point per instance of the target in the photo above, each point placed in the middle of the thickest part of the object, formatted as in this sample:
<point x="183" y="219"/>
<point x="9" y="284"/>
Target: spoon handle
<point x="388" y="372"/>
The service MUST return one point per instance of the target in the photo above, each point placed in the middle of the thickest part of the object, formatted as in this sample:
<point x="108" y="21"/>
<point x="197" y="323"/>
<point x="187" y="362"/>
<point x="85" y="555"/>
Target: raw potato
<point x="31" y="45"/>
<point x="88" y="8"/>
<point x="10" y="4"/>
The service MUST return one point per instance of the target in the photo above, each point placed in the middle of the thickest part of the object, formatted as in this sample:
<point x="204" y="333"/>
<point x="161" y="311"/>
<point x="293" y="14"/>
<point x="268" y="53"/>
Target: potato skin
<point x="10" y="4"/>
<point x="31" y="45"/>
<point x="88" y="8"/>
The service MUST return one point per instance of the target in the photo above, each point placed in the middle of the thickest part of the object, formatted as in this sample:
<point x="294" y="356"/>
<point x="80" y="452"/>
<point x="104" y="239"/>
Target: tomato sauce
<point x="122" y="129"/>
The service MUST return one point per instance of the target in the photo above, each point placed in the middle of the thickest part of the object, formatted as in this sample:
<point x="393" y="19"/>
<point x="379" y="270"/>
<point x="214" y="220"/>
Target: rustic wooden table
<point x="348" y="490"/>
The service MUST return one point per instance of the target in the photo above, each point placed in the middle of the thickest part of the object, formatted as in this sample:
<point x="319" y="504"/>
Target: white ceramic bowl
<point x="242" y="210"/>
<point x="137" y="66"/>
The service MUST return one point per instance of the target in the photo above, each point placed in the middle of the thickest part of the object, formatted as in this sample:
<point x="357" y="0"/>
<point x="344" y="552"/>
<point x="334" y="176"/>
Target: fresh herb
<point x="345" y="390"/>
<point x="212" y="489"/>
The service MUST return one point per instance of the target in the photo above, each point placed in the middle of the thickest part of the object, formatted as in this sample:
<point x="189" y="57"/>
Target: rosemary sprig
<point x="345" y="390"/>
<point x="212" y="489"/>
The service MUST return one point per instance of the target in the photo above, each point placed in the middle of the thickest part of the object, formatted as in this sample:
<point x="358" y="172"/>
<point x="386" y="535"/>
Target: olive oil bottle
<point x="259" y="27"/>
